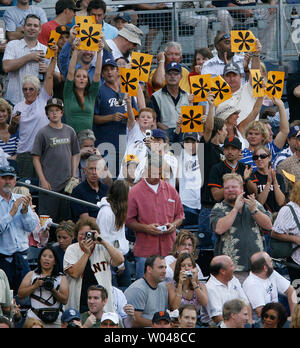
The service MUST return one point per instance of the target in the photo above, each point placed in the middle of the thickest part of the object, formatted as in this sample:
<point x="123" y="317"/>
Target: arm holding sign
<point x="98" y="67"/>
<point x="48" y="84"/>
<point x="73" y="61"/>
<point x="284" y="129"/>
<point x="252" y="116"/>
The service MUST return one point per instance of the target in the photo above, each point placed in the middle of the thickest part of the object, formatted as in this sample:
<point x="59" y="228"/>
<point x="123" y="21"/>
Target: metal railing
<point x="277" y="27"/>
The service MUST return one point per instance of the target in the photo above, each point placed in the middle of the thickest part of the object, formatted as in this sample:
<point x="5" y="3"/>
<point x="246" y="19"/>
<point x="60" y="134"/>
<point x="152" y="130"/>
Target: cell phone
<point x="18" y="113"/>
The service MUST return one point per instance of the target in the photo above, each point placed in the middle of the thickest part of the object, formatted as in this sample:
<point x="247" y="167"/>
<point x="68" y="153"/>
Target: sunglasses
<point x="272" y="317"/>
<point x="224" y="37"/>
<point x="262" y="156"/>
<point x="30" y="89"/>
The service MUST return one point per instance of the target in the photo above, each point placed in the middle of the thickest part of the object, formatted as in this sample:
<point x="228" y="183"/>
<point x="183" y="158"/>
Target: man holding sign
<point x="168" y="100"/>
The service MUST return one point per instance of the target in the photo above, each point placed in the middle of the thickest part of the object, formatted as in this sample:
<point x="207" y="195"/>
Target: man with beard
<point x="17" y="221"/>
<point x="263" y="284"/>
<point x="215" y="66"/>
<point x="237" y="221"/>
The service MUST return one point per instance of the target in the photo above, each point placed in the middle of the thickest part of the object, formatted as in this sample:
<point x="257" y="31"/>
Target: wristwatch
<point x="255" y="211"/>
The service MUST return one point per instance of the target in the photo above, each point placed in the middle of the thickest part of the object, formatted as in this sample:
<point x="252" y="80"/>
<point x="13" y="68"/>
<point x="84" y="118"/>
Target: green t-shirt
<point x="84" y="317"/>
<point x="76" y="117"/>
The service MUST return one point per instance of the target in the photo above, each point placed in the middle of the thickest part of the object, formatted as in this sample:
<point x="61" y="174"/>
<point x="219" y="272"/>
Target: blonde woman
<point x="8" y="142"/>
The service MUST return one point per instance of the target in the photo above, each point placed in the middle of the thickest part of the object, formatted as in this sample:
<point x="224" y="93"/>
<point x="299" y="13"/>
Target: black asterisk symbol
<point x="244" y="41"/>
<point x="127" y="82"/>
<point x="258" y="82"/>
<point x="90" y="36"/>
<point x="220" y="89"/>
<point x="273" y="85"/>
<point x="191" y="118"/>
<point x="201" y="88"/>
<point x="141" y="65"/>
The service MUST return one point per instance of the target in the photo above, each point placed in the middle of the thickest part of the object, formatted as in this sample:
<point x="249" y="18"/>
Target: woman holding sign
<point x="80" y="93"/>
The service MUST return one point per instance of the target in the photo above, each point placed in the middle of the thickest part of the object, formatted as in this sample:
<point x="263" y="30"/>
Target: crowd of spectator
<point x="127" y="200"/>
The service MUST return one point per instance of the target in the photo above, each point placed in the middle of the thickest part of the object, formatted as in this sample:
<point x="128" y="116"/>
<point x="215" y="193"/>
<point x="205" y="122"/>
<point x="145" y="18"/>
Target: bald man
<point x="222" y="286"/>
<point x="264" y="284"/>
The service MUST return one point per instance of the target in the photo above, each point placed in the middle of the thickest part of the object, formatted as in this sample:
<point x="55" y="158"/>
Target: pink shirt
<point x="147" y="207"/>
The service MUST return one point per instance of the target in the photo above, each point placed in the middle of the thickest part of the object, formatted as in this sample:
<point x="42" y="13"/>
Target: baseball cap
<point x="159" y="133"/>
<point x="191" y="135"/>
<point x="158" y="316"/>
<point x="63" y="29"/>
<point x="131" y="158"/>
<point x="110" y="316"/>
<point x="125" y="16"/>
<point x="173" y="66"/>
<point x="131" y="33"/>
<point x="231" y="67"/>
<point x="63" y="4"/>
<point x="54" y="102"/>
<point x="8" y="171"/>
<point x="70" y="314"/>
<point x="226" y="109"/>
<point x="293" y="131"/>
<point x="233" y="141"/>
<point x="109" y="61"/>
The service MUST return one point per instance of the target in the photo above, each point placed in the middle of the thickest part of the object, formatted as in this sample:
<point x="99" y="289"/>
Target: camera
<point x="189" y="274"/>
<point x="91" y="235"/>
<point x="148" y="134"/>
<point x="48" y="283"/>
<point x="162" y="228"/>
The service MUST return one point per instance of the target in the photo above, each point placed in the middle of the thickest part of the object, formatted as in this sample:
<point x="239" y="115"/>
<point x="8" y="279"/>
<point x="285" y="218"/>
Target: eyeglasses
<point x="272" y="317"/>
<point x="224" y="37"/>
<point x="29" y="89"/>
<point x="262" y="156"/>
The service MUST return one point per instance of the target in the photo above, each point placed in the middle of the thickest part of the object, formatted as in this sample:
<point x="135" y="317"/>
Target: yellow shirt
<point x="184" y="82"/>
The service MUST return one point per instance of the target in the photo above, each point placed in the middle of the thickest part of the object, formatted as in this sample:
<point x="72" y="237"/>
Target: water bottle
<point x="294" y="15"/>
<point x="41" y="74"/>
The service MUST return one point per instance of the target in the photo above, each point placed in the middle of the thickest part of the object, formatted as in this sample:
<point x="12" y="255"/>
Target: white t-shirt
<point x="100" y="264"/>
<point x="190" y="180"/>
<point x="262" y="291"/>
<point x="33" y="118"/>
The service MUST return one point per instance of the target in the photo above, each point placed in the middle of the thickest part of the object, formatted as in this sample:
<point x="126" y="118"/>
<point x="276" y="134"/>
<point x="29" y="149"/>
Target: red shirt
<point x="147" y="207"/>
<point x="46" y="31"/>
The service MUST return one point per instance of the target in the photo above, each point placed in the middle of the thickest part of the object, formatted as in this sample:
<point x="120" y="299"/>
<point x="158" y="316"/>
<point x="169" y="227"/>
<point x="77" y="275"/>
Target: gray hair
<point x="33" y="80"/>
<point x="233" y="307"/>
<point x="85" y="134"/>
<point x="92" y="158"/>
<point x="171" y="44"/>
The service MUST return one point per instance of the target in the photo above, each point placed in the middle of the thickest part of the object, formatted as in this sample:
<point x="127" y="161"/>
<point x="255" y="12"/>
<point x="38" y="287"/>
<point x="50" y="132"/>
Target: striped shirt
<point x="286" y="224"/>
<point x="247" y="154"/>
<point x="284" y="154"/>
<point x="11" y="146"/>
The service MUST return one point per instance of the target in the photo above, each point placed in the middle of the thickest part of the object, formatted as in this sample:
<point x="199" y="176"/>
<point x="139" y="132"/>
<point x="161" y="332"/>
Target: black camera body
<point x="48" y="283"/>
<point x="91" y="235"/>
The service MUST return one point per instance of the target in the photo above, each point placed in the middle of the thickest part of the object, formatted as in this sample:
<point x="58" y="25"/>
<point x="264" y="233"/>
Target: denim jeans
<point x="191" y="217"/>
<point x="206" y="236"/>
<point x="123" y="280"/>
<point x="140" y="266"/>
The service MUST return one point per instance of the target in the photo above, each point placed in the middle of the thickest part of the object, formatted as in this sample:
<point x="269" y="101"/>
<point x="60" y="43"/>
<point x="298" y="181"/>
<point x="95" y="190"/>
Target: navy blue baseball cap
<point x="8" y="171"/>
<point x="124" y="16"/>
<point x="173" y="66"/>
<point x="109" y="61"/>
<point x="159" y="133"/>
<point x="70" y="314"/>
<point x="293" y="131"/>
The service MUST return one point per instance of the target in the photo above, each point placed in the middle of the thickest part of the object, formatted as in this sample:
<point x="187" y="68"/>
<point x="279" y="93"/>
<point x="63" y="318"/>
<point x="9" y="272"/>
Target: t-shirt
<point x="55" y="147"/>
<point x="76" y="117"/>
<point x="146" y="299"/>
<point x="190" y="180"/>
<point x="261" y="182"/>
<point x="100" y="262"/>
<point x="262" y="291"/>
<point x="107" y="104"/>
<point x="33" y="118"/>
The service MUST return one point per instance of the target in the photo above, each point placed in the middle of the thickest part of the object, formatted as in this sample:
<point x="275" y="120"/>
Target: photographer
<point x="48" y="289"/>
<point x="88" y="263"/>
<point x="185" y="288"/>
<point x="70" y="319"/>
